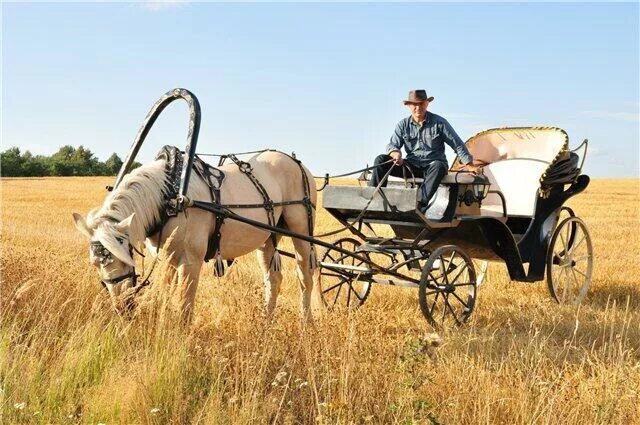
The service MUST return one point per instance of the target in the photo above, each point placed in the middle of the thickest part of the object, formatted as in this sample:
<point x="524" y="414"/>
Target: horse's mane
<point x="140" y="192"/>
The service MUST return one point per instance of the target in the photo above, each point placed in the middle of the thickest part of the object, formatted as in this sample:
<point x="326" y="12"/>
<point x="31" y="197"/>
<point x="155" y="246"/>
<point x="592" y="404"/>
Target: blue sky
<point x="323" y="80"/>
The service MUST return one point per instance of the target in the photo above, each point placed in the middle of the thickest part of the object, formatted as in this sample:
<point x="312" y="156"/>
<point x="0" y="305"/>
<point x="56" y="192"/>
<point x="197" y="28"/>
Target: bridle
<point x="105" y="258"/>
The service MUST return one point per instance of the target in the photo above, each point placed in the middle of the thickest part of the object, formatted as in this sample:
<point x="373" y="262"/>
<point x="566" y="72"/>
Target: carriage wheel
<point x="570" y="261"/>
<point x="448" y="287"/>
<point x="340" y="274"/>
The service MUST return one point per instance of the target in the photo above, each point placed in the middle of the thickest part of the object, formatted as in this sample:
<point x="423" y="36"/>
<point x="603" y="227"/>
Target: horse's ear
<point x="124" y="226"/>
<point x="82" y="226"/>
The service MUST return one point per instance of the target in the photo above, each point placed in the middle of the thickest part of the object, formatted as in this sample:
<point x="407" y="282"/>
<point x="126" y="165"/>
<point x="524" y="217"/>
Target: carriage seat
<point x="518" y="180"/>
<point x="516" y="159"/>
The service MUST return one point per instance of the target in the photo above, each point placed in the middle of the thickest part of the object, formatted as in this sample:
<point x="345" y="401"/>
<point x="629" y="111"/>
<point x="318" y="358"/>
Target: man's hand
<point x="470" y="168"/>
<point x="397" y="157"/>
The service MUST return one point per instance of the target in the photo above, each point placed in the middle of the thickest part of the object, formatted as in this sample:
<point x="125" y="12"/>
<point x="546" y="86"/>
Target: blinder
<point x="105" y="258"/>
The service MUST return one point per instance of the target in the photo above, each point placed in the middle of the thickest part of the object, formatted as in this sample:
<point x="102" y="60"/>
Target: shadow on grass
<point x="601" y="296"/>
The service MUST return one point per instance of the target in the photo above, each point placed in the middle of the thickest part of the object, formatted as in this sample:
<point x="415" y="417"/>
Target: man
<point x="423" y="135"/>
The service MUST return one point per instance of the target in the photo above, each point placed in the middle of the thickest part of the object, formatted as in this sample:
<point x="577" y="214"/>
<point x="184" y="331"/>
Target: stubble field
<point x="65" y="358"/>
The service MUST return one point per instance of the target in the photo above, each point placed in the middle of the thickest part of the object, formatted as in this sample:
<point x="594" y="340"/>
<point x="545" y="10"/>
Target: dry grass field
<point x="65" y="358"/>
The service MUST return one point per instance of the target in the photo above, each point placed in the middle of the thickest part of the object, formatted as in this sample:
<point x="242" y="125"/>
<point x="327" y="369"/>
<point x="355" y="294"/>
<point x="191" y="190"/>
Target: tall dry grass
<point x="65" y="358"/>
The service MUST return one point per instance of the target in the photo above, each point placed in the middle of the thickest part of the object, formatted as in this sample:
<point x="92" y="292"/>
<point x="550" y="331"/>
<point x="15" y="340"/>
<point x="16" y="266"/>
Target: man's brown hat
<point x="417" y="96"/>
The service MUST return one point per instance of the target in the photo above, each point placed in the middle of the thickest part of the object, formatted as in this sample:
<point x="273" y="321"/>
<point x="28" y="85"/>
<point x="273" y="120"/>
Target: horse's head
<point x="111" y="251"/>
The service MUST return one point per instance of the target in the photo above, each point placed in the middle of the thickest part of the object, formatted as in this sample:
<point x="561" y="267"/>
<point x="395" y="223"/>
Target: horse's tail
<point x="310" y="193"/>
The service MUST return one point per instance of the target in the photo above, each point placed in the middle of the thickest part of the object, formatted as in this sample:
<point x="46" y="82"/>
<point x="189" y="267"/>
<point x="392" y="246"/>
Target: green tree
<point x="83" y="162"/>
<point x="61" y="164"/>
<point x="67" y="161"/>
<point x="34" y="166"/>
<point x="113" y="164"/>
<point x="11" y="163"/>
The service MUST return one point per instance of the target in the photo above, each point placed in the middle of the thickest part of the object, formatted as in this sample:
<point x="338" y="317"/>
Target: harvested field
<point x="65" y="358"/>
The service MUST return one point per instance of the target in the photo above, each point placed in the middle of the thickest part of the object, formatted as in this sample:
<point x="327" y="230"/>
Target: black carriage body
<point x="515" y="239"/>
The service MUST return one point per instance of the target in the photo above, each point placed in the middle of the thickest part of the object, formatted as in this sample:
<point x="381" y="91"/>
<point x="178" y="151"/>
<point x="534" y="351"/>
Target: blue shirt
<point x="425" y="143"/>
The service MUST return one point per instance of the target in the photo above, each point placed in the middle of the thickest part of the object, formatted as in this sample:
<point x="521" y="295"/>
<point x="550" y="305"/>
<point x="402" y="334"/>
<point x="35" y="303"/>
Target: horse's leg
<point x="188" y="276"/>
<point x="272" y="279"/>
<point x="305" y="276"/>
<point x="190" y="262"/>
<point x="296" y="220"/>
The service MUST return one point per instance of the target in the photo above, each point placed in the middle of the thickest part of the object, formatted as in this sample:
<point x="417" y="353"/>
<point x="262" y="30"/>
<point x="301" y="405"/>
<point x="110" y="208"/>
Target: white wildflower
<point x="20" y="406"/>
<point x="280" y="379"/>
<point x="155" y="410"/>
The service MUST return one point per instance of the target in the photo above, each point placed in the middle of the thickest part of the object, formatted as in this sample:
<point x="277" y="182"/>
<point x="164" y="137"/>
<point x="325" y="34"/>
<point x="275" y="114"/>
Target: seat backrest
<point x="519" y="181"/>
<point x="541" y="143"/>
<point x="517" y="158"/>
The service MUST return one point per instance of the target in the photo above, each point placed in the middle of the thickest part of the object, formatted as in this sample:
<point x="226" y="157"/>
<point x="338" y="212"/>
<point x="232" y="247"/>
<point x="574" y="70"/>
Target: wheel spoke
<point x="583" y="274"/>
<point x="341" y="259"/>
<point x="583" y="257"/>
<point x="444" y="271"/>
<point x="564" y="245"/>
<point x="460" y="299"/>
<point x="357" y="294"/>
<point x="444" y="307"/>
<point x="567" y="284"/>
<point x="453" y="313"/>
<point x="556" y="277"/>
<point x="575" y="279"/>
<point x="433" y="306"/>
<point x="575" y="246"/>
<point x="458" y="275"/>
<point x="568" y="236"/>
<point x="334" y="286"/>
<point x="335" y="300"/>
<point x="434" y="278"/>
<point x="464" y="284"/>
<point x="349" y="295"/>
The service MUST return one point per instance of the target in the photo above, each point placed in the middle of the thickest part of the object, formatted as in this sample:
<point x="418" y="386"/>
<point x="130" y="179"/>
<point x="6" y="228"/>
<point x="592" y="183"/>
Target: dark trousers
<point x="432" y="175"/>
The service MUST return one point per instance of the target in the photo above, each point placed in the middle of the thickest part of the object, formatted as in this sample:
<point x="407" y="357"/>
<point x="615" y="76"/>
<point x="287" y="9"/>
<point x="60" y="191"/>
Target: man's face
<point x="418" y="110"/>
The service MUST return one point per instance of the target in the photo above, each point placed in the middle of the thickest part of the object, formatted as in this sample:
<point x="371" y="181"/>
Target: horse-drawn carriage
<point x="511" y="213"/>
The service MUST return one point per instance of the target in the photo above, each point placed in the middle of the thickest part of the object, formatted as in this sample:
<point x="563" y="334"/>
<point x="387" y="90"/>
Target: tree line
<point x="67" y="161"/>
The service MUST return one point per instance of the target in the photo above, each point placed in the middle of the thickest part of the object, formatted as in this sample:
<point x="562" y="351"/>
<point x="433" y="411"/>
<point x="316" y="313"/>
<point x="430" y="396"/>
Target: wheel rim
<point x="448" y="287"/>
<point x="340" y="287"/>
<point x="570" y="262"/>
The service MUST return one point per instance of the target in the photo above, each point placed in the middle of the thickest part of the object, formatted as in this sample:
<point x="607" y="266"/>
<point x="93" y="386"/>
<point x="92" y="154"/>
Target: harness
<point x="214" y="177"/>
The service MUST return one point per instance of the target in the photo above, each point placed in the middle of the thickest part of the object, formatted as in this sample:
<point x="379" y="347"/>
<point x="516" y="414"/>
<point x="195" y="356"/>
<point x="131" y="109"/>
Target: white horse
<point x="131" y="210"/>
